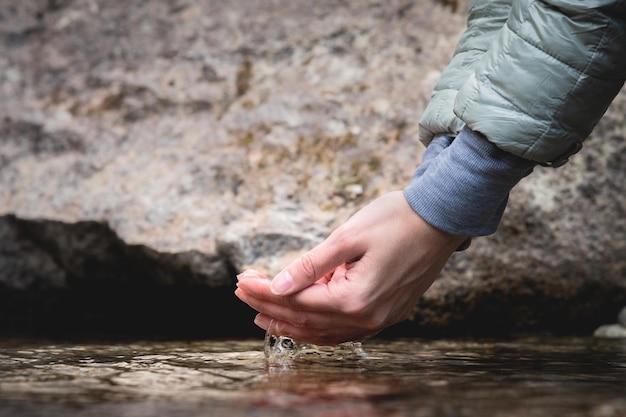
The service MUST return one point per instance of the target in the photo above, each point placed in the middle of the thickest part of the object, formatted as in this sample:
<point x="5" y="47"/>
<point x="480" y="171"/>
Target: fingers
<point x="315" y="298"/>
<point x="311" y="320"/>
<point x="316" y="264"/>
<point x="251" y="273"/>
<point x="308" y="314"/>
<point x="328" y="336"/>
<point x="320" y="327"/>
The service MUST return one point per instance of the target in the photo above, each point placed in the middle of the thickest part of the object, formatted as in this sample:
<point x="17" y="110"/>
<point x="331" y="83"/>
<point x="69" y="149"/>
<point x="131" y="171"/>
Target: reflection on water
<point x="522" y="377"/>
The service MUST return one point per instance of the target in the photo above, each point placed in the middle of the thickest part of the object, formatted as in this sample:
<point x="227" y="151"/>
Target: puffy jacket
<point x="532" y="76"/>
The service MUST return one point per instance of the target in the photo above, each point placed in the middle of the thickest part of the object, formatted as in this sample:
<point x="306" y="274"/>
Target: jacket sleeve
<point x="485" y="19"/>
<point x="548" y="77"/>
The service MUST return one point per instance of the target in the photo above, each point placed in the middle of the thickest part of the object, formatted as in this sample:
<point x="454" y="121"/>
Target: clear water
<point x="283" y="350"/>
<point x="447" y="378"/>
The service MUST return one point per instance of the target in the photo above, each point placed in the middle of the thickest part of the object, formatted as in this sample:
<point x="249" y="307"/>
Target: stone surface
<point x="611" y="331"/>
<point x="165" y="144"/>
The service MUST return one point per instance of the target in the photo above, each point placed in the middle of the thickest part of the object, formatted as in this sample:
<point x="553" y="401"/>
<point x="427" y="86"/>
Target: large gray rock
<point x="176" y="143"/>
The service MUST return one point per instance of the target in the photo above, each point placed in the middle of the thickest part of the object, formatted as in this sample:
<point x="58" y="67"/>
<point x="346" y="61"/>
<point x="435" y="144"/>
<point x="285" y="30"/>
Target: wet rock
<point x="611" y="331"/>
<point x="614" y="331"/>
<point x="175" y="144"/>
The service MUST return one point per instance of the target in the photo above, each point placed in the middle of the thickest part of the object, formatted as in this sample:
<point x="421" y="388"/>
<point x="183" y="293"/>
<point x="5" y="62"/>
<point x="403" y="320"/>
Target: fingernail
<point x="249" y="273"/>
<point x="282" y="283"/>
<point x="261" y="321"/>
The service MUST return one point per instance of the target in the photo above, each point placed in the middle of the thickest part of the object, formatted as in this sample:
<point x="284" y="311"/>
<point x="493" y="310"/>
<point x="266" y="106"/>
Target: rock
<point x="171" y="146"/>
<point x="614" y="331"/>
<point x="611" y="331"/>
<point x="270" y="242"/>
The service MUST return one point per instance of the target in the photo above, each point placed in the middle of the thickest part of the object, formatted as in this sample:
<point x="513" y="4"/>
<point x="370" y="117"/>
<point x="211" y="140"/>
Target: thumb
<point x="313" y="265"/>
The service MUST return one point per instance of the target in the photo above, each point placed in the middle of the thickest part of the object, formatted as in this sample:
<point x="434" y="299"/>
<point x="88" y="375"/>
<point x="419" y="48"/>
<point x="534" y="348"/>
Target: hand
<point x="367" y="275"/>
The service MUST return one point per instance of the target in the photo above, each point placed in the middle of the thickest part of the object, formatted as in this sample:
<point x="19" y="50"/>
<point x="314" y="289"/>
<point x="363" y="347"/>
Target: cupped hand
<point x="367" y="275"/>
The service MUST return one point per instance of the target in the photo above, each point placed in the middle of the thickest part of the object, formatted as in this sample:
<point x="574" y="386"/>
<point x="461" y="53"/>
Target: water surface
<point x="448" y="378"/>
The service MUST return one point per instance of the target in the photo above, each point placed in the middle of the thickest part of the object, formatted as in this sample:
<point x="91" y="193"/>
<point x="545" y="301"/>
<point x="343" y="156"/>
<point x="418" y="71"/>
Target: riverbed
<point x="525" y="376"/>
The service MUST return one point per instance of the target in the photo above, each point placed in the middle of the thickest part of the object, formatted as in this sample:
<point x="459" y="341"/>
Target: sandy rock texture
<point x="160" y="145"/>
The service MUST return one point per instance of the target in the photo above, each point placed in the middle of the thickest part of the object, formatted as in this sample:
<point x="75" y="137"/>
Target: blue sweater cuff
<point x="462" y="185"/>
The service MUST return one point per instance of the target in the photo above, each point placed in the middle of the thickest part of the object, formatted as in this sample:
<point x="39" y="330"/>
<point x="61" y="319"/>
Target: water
<point x="283" y="350"/>
<point x="421" y="378"/>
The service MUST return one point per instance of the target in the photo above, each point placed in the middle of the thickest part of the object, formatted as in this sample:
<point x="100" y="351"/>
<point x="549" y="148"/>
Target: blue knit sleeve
<point x="463" y="184"/>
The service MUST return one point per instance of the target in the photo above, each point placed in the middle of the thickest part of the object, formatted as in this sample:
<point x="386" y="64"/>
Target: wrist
<point x="464" y="189"/>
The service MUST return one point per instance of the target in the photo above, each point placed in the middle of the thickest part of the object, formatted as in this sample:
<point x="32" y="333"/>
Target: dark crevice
<point x="107" y="312"/>
<point x="111" y="289"/>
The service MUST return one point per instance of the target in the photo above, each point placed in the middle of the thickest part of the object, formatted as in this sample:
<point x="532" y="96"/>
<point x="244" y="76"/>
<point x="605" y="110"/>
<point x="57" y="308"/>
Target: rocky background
<point x="150" y="150"/>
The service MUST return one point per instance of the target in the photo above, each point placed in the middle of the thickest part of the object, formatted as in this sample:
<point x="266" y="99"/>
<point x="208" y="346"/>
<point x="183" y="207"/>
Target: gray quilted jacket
<point x="533" y="76"/>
